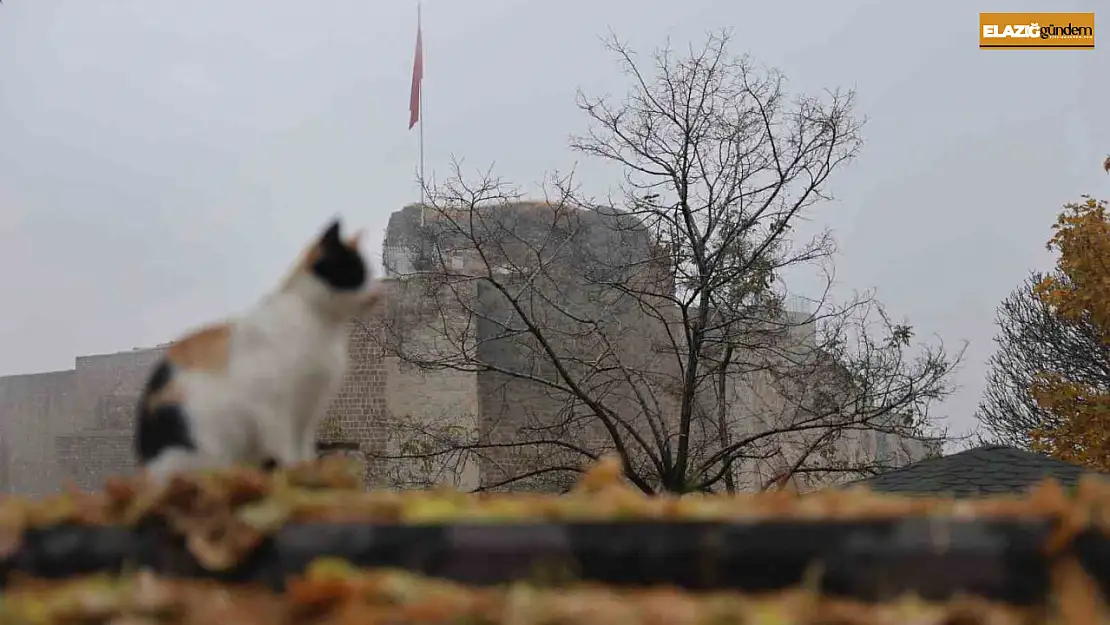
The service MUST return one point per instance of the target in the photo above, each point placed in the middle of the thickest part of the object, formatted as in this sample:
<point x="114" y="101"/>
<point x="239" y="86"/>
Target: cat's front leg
<point x="308" y="446"/>
<point x="280" y="440"/>
<point x="308" y="438"/>
<point x="311" y="428"/>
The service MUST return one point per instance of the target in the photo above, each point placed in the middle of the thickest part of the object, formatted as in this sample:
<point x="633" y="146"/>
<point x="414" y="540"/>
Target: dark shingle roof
<point x="981" y="471"/>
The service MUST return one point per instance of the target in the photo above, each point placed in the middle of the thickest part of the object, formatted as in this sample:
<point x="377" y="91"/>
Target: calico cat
<point x="253" y="389"/>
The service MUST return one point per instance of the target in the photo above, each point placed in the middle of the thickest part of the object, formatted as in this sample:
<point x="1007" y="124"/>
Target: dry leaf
<point x="266" y="516"/>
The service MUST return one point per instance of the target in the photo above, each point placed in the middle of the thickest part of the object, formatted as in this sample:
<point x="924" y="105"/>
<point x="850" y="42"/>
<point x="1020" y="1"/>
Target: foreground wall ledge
<point x="935" y="558"/>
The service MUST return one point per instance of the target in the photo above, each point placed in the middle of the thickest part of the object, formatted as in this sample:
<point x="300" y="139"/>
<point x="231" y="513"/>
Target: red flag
<point x="417" y="76"/>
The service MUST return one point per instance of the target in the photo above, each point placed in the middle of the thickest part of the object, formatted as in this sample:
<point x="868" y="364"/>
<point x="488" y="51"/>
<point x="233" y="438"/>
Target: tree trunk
<point x="722" y="413"/>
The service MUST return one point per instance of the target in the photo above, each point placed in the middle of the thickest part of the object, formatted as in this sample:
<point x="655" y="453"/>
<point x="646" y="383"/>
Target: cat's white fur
<point x="286" y="361"/>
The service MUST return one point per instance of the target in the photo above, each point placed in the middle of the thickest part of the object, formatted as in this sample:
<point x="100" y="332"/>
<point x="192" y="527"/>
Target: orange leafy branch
<point x="1078" y="291"/>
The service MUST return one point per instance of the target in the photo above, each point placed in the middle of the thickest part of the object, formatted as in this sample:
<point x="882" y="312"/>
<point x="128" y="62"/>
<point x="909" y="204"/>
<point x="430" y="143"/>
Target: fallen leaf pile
<point x="224" y="514"/>
<point x="332" y="593"/>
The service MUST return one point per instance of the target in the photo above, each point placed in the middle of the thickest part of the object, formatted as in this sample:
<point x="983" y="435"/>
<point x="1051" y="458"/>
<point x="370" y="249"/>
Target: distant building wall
<point x="31" y="405"/>
<point x="360" y="406"/>
<point x="437" y="402"/>
<point x="94" y="442"/>
<point x="512" y="399"/>
<point x="423" y="405"/>
<point x="70" y="426"/>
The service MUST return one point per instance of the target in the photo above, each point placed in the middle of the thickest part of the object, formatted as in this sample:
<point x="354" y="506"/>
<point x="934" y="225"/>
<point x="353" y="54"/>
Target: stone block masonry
<point x="356" y="414"/>
<point x="30" y="406"/>
<point x="92" y="457"/>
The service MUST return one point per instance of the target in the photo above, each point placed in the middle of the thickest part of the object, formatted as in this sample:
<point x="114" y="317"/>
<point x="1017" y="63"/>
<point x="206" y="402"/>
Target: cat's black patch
<point x="163" y="427"/>
<point x="159" y="378"/>
<point x="269" y="465"/>
<point x="339" y="266"/>
<point x="160" y="429"/>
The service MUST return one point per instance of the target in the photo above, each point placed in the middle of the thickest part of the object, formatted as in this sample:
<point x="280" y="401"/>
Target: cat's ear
<point x="355" y="239"/>
<point x="330" y="237"/>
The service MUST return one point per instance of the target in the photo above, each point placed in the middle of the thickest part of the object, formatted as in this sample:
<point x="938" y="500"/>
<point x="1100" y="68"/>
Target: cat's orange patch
<point x="203" y="350"/>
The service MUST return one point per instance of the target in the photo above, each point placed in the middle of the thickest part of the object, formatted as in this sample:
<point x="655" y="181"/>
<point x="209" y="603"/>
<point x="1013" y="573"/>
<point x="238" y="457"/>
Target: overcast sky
<point x="162" y="162"/>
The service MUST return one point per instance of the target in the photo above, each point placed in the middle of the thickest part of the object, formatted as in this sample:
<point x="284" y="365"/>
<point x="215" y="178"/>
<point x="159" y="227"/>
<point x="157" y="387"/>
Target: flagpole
<point x="419" y="29"/>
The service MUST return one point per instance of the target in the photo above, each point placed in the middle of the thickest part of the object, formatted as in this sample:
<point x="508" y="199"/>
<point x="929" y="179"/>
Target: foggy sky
<point x="161" y="163"/>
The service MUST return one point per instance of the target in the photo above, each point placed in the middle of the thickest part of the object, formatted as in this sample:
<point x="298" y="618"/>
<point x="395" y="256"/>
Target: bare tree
<point x="654" y="323"/>
<point x="1032" y="340"/>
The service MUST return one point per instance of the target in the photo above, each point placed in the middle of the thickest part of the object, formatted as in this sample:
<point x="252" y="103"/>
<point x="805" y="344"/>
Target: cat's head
<point x="333" y="274"/>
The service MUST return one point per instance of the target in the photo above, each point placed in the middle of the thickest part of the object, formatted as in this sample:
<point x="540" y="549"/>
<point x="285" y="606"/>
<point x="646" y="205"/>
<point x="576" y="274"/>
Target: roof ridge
<point x="1043" y="458"/>
<point x="983" y="469"/>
